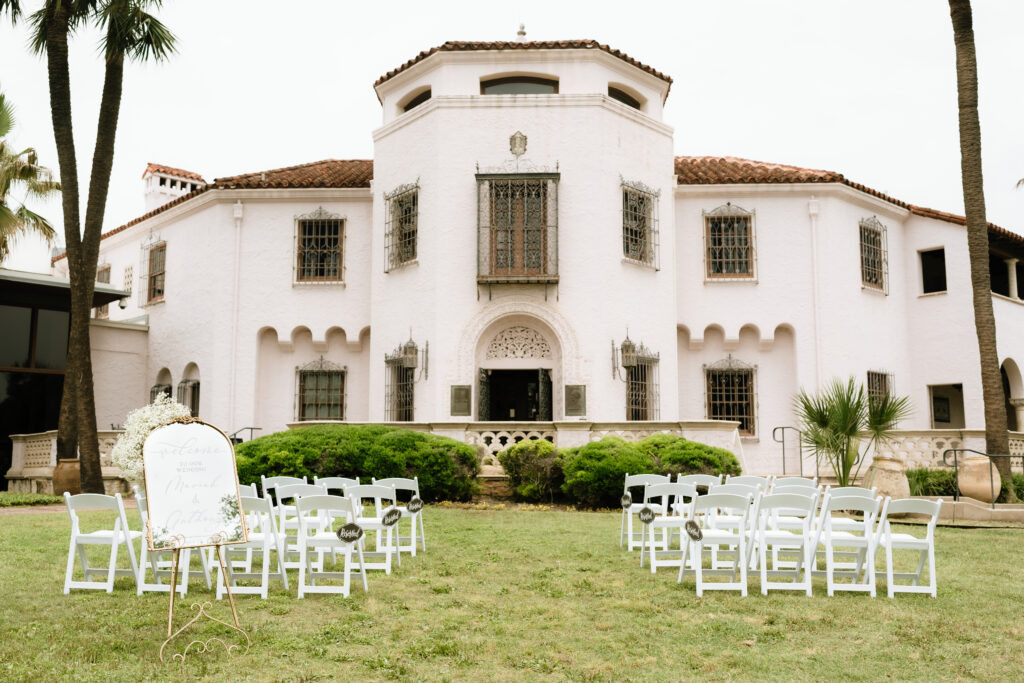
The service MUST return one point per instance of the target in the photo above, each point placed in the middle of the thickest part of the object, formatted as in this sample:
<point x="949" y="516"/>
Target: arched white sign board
<point x="191" y="488"/>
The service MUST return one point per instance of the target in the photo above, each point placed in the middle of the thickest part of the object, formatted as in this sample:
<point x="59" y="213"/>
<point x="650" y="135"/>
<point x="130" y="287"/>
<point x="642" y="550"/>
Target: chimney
<point x="163" y="184"/>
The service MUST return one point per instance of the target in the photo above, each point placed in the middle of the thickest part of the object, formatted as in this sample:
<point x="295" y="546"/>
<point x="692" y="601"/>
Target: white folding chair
<point x="269" y="486"/>
<point x="856" y="536"/>
<point x="734" y="537"/>
<point x="160" y="561"/>
<point x="676" y="501"/>
<point x="317" y="535"/>
<point x="638" y="481"/>
<point x="904" y="541"/>
<point x="287" y="516"/>
<point x="775" y="521"/>
<point x="114" y="537"/>
<point x="412" y="486"/>
<point x="708" y="481"/>
<point x="803" y="482"/>
<point x="262" y="536"/>
<point x="763" y="483"/>
<point x="384" y="542"/>
<point x="335" y="483"/>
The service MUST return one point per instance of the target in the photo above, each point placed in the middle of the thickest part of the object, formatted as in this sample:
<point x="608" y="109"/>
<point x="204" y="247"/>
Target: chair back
<point x="357" y="494"/>
<point x="641" y="480"/>
<point x="335" y="483"/>
<point x="790" y="488"/>
<point x="327" y="503"/>
<point x="788" y="504"/>
<point x="95" y="501"/>
<point x="835" y="491"/>
<point x="400" y="484"/>
<point x="750" y="480"/>
<point x="795" y="482"/>
<point x="298" y="491"/>
<point x="736" y="489"/>
<point x="863" y="504"/>
<point x="733" y="503"/>
<point x="708" y="480"/>
<point x="268" y="484"/>
<point x="669" y="493"/>
<point x="914" y="506"/>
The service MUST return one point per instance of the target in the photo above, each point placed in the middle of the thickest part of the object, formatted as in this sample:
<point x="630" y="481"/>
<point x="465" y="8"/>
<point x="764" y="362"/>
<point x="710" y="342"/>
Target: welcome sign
<point x="191" y="488"/>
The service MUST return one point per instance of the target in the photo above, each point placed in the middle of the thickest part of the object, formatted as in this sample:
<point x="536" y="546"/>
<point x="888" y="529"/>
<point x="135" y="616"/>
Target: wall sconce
<point x="409" y="355"/>
<point x="628" y="354"/>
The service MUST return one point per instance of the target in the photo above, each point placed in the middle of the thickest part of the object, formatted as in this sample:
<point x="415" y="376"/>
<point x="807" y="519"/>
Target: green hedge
<point x="14" y="499"/>
<point x="534" y="470"/>
<point x="446" y="468"/>
<point x="594" y="473"/>
<point x="925" y="482"/>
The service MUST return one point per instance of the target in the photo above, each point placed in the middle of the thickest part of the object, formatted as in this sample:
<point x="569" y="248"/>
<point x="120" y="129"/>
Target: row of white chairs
<point x="783" y="530"/>
<point x="292" y="520"/>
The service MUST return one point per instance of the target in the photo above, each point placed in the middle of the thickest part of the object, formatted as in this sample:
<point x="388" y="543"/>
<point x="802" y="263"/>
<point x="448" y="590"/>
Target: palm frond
<point x="12" y="7"/>
<point x="6" y="115"/>
<point x="134" y="33"/>
<point x="30" y="220"/>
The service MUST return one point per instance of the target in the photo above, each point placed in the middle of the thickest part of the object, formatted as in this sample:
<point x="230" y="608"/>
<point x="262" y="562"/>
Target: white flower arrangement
<point x="127" y="452"/>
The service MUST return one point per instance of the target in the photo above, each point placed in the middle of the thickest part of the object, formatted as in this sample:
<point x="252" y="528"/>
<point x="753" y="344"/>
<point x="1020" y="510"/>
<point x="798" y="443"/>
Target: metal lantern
<point x="410" y="354"/>
<point x="628" y="350"/>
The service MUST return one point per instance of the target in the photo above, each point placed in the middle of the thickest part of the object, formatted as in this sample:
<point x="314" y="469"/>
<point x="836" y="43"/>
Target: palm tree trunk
<point x="81" y="300"/>
<point x="997" y="440"/>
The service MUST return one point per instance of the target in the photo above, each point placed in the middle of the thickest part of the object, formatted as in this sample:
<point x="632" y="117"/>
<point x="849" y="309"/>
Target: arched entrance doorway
<point x="1013" y="392"/>
<point x="518" y="359"/>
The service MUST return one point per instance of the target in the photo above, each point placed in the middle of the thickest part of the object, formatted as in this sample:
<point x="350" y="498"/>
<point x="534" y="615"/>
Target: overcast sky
<point x="866" y="88"/>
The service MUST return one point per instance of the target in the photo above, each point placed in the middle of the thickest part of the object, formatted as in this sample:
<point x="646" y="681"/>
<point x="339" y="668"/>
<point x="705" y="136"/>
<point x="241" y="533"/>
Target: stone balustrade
<point x="35" y="455"/>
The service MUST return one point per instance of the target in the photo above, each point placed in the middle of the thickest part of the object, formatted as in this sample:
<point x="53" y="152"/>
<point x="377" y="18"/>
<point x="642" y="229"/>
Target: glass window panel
<point x="16" y="322"/>
<point x="52" y="340"/>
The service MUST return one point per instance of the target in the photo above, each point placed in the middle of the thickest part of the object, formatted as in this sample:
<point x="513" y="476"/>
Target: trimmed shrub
<point x="925" y="482"/>
<point x="676" y="455"/>
<point x="594" y="473"/>
<point x="446" y="468"/>
<point x="534" y="470"/>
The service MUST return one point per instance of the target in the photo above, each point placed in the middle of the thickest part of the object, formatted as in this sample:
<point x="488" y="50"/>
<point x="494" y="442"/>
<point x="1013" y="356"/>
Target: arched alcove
<point x="519" y="361"/>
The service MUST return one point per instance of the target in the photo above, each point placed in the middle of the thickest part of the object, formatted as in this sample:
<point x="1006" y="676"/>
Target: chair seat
<point x="906" y="541"/>
<point x="847" y="538"/>
<point x="105" y="536"/>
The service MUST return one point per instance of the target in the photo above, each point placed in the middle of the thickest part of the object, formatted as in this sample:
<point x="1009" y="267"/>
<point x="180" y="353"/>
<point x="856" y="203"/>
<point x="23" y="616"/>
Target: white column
<point x="1018" y="407"/>
<point x="1011" y="272"/>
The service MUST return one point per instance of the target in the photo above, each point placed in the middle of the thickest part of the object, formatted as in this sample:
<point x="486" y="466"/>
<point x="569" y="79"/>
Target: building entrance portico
<point x="515" y="372"/>
<point x="518" y="395"/>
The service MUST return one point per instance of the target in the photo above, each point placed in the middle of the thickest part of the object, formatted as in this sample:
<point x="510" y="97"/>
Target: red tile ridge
<point x="170" y="170"/>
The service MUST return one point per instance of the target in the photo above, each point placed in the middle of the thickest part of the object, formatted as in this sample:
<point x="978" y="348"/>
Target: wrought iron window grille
<point x="639" y="370"/>
<point x="400" y="379"/>
<point x="320" y="391"/>
<point x="517" y="228"/>
<point x="319" y="248"/>
<point x="640" y="235"/>
<point x="730" y="251"/>
<point x="874" y="255"/>
<point x="401" y="231"/>
<point x="156" y="272"/>
<point x="879" y="384"/>
<point x="731" y="393"/>
<point x="188" y="395"/>
<point x="103" y="275"/>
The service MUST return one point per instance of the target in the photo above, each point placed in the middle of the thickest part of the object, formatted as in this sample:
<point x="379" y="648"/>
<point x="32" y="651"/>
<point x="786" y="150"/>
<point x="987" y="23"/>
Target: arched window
<point x="417" y="100"/>
<point x="188" y="389"/>
<point x="623" y="96"/>
<point x="519" y="85"/>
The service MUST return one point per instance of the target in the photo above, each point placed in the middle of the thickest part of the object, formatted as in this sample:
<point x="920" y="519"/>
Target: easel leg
<point x="227" y="585"/>
<point x="174" y="587"/>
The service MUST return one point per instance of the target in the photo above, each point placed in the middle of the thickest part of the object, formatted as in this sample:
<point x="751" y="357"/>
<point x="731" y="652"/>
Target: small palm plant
<point x="836" y="419"/>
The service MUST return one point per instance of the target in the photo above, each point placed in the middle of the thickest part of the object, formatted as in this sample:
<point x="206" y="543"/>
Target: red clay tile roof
<point x="463" y="46"/>
<point x="733" y="170"/>
<point x="328" y="173"/>
<point x="157" y="168"/>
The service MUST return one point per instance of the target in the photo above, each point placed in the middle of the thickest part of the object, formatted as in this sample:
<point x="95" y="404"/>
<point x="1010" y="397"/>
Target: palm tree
<point x="129" y="32"/>
<point x="997" y="438"/>
<point x="834" y="421"/>
<point x="20" y="171"/>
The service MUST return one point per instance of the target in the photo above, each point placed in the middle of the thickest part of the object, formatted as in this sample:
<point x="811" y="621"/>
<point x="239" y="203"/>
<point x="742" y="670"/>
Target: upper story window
<point x="623" y="96"/>
<point x="517" y="239"/>
<point x="874" y="265"/>
<point x="729" y="243"/>
<point x="157" y="273"/>
<point x="640" y="223"/>
<point x="103" y="275"/>
<point x="417" y="100"/>
<point x="933" y="271"/>
<point x="400" y="237"/>
<point x="879" y="385"/>
<point x="319" y="244"/>
<point x="320" y="391"/>
<point x="519" y="85"/>
<point x="730" y="393"/>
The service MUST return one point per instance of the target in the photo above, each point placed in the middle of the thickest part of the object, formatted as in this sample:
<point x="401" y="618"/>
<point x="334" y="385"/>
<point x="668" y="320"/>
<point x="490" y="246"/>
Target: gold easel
<point x="201" y="645"/>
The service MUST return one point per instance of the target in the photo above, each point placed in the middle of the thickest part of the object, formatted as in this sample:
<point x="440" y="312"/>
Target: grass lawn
<point x="505" y="594"/>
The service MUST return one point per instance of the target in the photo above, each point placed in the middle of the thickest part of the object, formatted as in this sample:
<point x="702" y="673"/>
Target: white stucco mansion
<point x="525" y="252"/>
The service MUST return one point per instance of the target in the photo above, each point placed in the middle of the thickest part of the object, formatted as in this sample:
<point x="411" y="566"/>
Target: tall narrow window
<point x="103" y="275"/>
<point x="640" y="223"/>
<point x="188" y="395"/>
<point x="730" y="393"/>
<point x="321" y="391"/>
<point x="518" y="228"/>
<point x="873" y="260"/>
<point x="729" y="243"/>
<point x="933" y="271"/>
<point x="157" y="389"/>
<point x="318" y="252"/>
<point x="401" y="227"/>
<point x="879" y="385"/>
<point x="157" y="272"/>
<point x="642" y="390"/>
<point x="399" y="394"/>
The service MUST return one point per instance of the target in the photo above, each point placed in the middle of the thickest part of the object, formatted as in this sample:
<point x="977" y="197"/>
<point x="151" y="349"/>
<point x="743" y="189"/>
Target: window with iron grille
<point x="157" y="389"/>
<point x="873" y="258"/>
<point x="157" y="273"/>
<point x="642" y="389"/>
<point x="319" y="241"/>
<point x="730" y="394"/>
<point x="321" y="391"/>
<point x="103" y="275"/>
<point x="640" y="223"/>
<point x="518" y="228"/>
<point x="398" y="392"/>
<point x="188" y="395"/>
<point x="729" y="243"/>
<point x="402" y="220"/>
<point x="879" y="385"/>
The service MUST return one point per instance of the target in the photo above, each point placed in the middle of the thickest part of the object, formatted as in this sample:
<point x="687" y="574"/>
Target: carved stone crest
<point x="517" y="144"/>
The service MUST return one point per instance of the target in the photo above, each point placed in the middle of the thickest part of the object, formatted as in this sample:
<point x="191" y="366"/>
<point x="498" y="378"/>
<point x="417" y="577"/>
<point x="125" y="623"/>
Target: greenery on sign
<point x="14" y="499"/>
<point x="127" y="452"/>
<point x="834" y="421"/>
<point x="534" y="470"/>
<point x="446" y="468"/>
